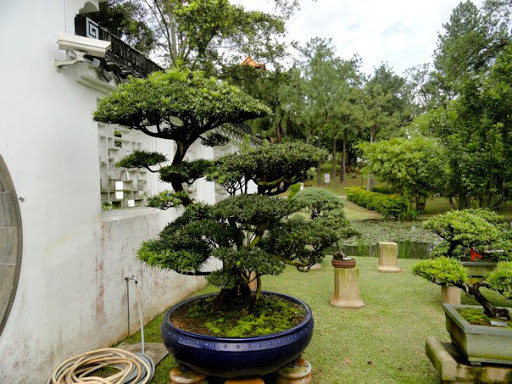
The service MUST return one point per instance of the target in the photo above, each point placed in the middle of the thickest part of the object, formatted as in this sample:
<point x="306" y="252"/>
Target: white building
<point x="63" y="265"/>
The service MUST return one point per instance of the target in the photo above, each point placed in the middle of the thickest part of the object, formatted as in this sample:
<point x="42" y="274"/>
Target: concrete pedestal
<point x="346" y="288"/>
<point x="253" y="285"/>
<point x="183" y="375"/>
<point x="450" y="294"/>
<point x="296" y="373"/>
<point x="454" y="370"/>
<point x="388" y="258"/>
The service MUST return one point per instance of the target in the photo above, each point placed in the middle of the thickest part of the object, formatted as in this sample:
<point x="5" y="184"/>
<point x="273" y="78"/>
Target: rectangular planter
<point x="479" y="343"/>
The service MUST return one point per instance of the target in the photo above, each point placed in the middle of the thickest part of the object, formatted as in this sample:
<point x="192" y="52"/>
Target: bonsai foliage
<point x="462" y="231"/>
<point x="274" y="168"/>
<point x="178" y="105"/>
<point x="327" y="209"/>
<point x="251" y="234"/>
<point x="477" y="229"/>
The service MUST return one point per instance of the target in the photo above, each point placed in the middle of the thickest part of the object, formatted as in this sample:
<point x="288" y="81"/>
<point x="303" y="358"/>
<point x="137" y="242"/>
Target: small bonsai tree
<point x="251" y="234"/>
<point x="463" y="231"/>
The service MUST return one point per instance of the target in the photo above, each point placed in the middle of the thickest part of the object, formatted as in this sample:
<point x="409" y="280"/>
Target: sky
<point x="401" y="33"/>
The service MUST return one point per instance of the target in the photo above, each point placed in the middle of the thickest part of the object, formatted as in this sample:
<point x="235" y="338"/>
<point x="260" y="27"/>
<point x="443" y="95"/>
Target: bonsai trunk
<point x="489" y="309"/>
<point x="239" y="296"/>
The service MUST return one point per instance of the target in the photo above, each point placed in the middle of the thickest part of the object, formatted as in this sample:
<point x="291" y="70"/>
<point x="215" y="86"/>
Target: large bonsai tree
<point x="463" y="232"/>
<point x="251" y="234"/>
<point x="178" y="105"/>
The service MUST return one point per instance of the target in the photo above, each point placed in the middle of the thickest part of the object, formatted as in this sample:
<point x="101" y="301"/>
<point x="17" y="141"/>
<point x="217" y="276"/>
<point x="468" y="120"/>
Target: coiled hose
<point x="131" y="368"/>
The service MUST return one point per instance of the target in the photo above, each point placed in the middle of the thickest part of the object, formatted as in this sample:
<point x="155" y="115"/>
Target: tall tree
<point x="469" y="45"/>
<point x="386" y="104"/>
<point x="476" y="129"/>
<point x="126" y="20"/>
<point x="207" y="34"/>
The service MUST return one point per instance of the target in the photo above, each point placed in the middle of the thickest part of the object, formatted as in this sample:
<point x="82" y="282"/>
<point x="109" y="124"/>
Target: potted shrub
<point x="237" y="332"/>
<point x="488" y="337"/>
<point x="316" y="201"/>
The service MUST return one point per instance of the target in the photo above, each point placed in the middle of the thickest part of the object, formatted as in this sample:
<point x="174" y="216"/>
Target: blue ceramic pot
<point x="237" y="357"/>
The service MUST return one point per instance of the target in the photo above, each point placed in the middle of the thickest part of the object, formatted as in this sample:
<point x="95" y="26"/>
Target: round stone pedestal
<point x="180" y="374"/>
<point x="346" y="288"/>
<point x="296" y="373"/>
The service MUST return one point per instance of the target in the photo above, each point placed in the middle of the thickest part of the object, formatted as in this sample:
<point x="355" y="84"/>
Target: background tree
<point x="126" y="20"/>
<point x="205" y="34"/>
<point x="386" y="105"/>
<point x="476" y="131"/>
<point x="414" y="168"/>
<point x="467" y="48"/>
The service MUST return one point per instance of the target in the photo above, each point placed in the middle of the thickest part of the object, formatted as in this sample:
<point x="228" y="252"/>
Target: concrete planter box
<point x="478" y="269"/>
<point x="480" y="344"/>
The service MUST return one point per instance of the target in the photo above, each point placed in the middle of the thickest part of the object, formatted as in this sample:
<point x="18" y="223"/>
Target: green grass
<point x="384" y="342"/>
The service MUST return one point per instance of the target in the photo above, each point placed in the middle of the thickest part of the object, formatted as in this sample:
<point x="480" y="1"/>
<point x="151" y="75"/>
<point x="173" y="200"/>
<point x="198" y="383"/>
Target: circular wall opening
<point x="10" y="243"/>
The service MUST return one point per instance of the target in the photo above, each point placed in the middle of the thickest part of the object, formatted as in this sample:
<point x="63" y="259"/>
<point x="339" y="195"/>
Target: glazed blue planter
<point x="237" y="357"/>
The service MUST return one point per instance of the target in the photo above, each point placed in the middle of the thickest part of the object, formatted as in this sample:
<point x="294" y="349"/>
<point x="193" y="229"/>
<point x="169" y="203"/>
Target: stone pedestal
<point x="316" y="266"/>
<point x="346" y="288"/>
<point x="296" y="373"/>
<point x="388" y="258"/>
<point x="183" y="375"/>
<point x="453" y="368"/>
<point x="450" y="294"/>
<point x="253" y="285"/>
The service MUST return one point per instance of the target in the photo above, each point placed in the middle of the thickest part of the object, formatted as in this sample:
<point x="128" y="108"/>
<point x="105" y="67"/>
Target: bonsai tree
<point x="182" y="106"/>
<point x="471" y="233"/>
<point x="251" y="234"/>
<point x="463" y="231"/>
<point x="327" y="207"/>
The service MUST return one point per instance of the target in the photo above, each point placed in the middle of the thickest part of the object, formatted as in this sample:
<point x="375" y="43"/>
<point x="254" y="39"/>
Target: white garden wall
<point x="71" y="295"/>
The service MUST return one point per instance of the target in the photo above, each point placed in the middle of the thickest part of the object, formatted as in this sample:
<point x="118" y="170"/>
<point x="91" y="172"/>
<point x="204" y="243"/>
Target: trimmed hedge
<point x="383" y="190"/>
<point x="388" y="205"/>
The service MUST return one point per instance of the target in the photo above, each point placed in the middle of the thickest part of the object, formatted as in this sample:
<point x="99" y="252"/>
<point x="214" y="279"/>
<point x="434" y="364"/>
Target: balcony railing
<point x="122" y="59"/>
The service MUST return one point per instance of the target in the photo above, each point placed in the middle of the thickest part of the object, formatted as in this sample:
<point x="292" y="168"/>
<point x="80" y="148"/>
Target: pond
<point x="406" y="250"/>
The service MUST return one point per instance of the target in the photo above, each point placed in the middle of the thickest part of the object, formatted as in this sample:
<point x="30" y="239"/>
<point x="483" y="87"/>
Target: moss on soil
<point x="476" y="316"/>
<point x="272" y="314"/>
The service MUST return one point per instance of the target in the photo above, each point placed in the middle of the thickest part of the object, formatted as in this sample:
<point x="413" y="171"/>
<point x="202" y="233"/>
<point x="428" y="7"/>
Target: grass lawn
<point x="384" y="342"/>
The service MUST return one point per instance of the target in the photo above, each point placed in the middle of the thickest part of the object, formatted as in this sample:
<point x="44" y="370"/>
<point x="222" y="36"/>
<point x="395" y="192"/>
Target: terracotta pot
<point x="346" y="263"/>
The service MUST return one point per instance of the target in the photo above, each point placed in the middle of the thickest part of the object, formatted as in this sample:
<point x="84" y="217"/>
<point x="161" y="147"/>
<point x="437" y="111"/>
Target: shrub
<point x="388" y="205"/>
<point x="383" y="190"/>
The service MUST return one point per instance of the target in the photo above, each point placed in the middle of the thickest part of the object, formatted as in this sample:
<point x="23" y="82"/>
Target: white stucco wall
<point x="71" y="295"/>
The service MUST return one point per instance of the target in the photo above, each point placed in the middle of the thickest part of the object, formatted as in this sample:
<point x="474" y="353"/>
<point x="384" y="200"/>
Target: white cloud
<point x="402" y="33"/>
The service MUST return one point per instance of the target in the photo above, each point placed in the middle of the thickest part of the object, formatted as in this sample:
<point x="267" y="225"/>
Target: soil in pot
<point x="476" y="316"/>
<point x="272" y="314"/>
